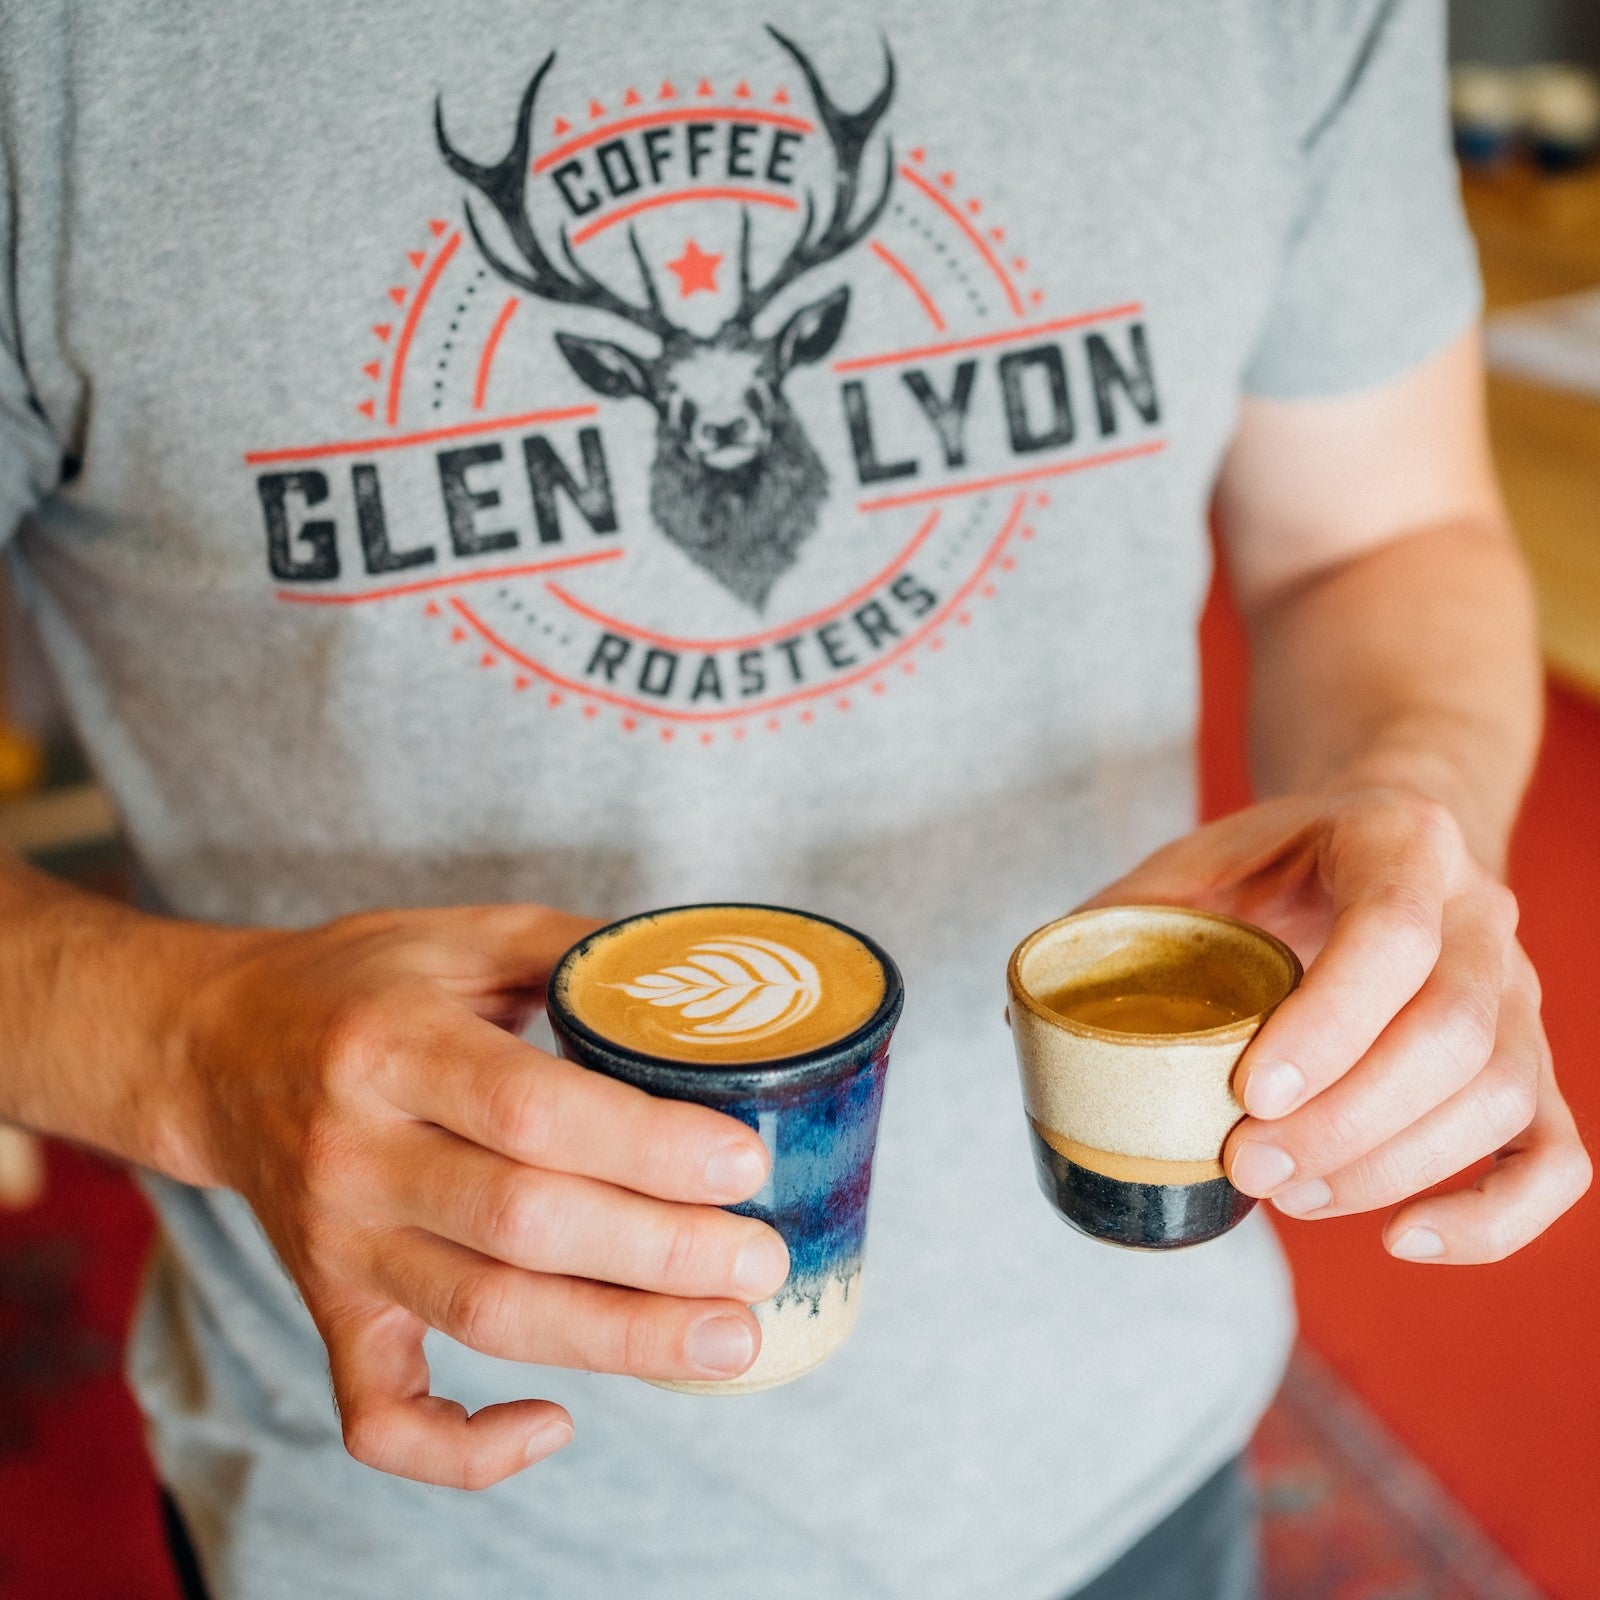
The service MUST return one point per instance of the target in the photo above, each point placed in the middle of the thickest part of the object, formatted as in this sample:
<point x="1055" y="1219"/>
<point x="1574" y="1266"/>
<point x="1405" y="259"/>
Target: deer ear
<point x="813" y="330"/>
<point x="608" y="369"/>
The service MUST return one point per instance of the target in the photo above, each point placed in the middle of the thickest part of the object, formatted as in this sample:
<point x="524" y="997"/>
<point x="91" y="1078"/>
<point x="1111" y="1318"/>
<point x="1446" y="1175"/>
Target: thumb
<point x="517" y="945"/>
<point x="1239" y="859"/>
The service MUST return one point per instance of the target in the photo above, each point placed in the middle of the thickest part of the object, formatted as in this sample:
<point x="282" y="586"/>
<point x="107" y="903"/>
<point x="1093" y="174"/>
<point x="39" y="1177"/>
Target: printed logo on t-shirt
<point x="716" y="409"/>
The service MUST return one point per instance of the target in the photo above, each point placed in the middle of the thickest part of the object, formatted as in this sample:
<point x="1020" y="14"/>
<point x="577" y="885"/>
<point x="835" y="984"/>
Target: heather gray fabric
<point x="1204" y="1550"/>
<point x="367" y="588"/>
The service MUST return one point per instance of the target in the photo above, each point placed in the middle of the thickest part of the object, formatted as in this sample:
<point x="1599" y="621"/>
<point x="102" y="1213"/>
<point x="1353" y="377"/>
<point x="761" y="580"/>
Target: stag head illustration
<point x="736" y="483"/>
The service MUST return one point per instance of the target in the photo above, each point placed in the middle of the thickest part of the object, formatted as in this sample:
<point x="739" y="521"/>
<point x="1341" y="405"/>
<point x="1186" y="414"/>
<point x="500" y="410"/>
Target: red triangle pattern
<point x="704" y="89"/>
<point x="431" y="609"/>
<point x="919" y="155"/>
<point x="416" y="257"/>
<point x="781" y="97"/>
<point x="667" y="91"/>
<point x="742" y="92"/>
<point x="372" y="369"/>
<point x="631" y="98"/>
<point x="398" y="295"/>
<point x="368" y="408"/>
<point x="438" y="228"/>
<point x="562" y="126"/>
<point x="383" y="330"/>
<point x="596" y="110"/>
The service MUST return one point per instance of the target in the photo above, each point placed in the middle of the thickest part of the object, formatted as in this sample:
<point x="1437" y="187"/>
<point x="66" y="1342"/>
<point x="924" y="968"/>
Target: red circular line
<point x="681" y="114"/>
<point x="760" y="197"/>
<point x="481" y="386"/>
<point x="455" y="580"/>
<point x="627" y="628"/>
<point x="1004" y="480"/>
<point x="910" y="280"/>
<point x="401" y="441"/>
<point x="760" y="708"/>
<point x="979" y="341"/>
<point x="912" y="176"/>
<point x="403" y="345"/>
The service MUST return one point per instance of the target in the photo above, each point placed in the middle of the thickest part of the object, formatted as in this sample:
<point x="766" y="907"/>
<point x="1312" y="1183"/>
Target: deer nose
<point x="721" y="433"/>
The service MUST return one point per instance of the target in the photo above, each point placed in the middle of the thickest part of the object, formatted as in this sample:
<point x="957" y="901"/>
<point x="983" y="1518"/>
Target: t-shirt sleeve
<point x="31" y="451"/>
<point x="1378" y="270"/>
<point x="30" y="457"/>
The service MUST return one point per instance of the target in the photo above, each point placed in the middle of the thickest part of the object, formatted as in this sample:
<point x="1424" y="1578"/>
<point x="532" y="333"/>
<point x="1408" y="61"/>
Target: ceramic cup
<point x="1128" y="1127"/>
<point x="816" y="1110"/>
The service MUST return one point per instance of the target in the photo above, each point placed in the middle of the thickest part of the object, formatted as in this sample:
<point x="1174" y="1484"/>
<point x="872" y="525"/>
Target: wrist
<point x="182" y="969"/>
<point x="93" y="1004"/>
<point x="1429" y="775"/>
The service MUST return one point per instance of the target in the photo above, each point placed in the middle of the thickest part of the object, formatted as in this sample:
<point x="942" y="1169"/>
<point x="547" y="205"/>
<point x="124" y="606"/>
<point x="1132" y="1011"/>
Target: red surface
<point x="77" y="1503"/>
<point x="1490" y="1374"/>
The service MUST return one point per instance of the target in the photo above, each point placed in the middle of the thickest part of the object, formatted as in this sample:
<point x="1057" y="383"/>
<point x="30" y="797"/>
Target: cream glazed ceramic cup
<point x="1128" y="1128"/>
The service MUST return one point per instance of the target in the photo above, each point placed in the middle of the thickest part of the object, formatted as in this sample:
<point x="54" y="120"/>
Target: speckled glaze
<point x="1128" y="1128"/>
<point x="818" y="1115"/>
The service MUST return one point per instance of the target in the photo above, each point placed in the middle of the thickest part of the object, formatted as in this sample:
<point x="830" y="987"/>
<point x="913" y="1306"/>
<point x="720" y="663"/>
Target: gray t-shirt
<point x="822" y="522"/>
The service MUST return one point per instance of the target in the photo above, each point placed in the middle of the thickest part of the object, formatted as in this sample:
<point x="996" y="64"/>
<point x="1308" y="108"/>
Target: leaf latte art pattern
<point x="743" y="988"/>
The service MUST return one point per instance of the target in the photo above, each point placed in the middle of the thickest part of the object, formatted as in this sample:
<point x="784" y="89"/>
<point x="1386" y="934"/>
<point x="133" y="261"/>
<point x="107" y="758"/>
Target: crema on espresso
<point x="724" y="984"/>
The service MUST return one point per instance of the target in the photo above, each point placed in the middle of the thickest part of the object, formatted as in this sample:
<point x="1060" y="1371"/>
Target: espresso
<point x="721" y="984"/>
<point x="1143" y="1013"/>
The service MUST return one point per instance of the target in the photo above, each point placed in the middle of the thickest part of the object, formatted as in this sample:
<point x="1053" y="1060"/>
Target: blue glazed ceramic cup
<point x="749" y="994"/>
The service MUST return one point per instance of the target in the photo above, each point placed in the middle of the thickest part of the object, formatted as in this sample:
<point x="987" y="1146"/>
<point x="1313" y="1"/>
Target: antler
<point x="504" y="186"/>
<point x="849" y="133"/>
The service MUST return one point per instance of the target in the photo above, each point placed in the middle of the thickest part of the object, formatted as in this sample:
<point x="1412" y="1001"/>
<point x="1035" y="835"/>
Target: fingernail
<point x="721" y="1345"/>
<point x="1260" y="1168"/>
<point x="1272" y="1088"/>
<point x="1418" y="1244"/>
<point x="761" y="1266"/>
<point x="736" y="1171"/>
<point x="1301" y="1199"/>
<point x="555" y="1435"/>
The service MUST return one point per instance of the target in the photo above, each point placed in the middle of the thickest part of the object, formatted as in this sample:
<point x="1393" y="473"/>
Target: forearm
<point x="90" y="992"/>
<point x="1414" y="664"/>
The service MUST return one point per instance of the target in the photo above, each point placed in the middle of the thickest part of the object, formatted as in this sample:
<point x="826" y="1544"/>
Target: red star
<point x="695" y="269"/>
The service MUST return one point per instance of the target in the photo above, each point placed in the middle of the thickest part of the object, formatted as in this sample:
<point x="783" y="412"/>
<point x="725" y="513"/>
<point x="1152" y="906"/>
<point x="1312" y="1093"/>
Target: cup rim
<point x="1241" y="1029"/>
<point x="779" y="1071"/>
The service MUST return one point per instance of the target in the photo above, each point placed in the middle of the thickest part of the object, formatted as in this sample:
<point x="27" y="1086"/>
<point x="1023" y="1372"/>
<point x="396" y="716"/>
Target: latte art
<point x="723" y="984"/>
<point x="748" y="987"/>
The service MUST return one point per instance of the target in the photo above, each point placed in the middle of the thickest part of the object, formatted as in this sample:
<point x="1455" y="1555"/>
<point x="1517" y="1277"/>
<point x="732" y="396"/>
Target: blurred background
<point x="1527" y="32"/>
<point x="1439" y="1436"/>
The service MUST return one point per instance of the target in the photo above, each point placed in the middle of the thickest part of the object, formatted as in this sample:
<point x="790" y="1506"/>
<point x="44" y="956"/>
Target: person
<point x="481" y="469"/>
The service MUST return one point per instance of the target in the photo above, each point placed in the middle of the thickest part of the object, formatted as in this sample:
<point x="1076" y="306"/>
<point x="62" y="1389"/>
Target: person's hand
<point x="416" y="1165"/>
<point x="1413" y="1048"/>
